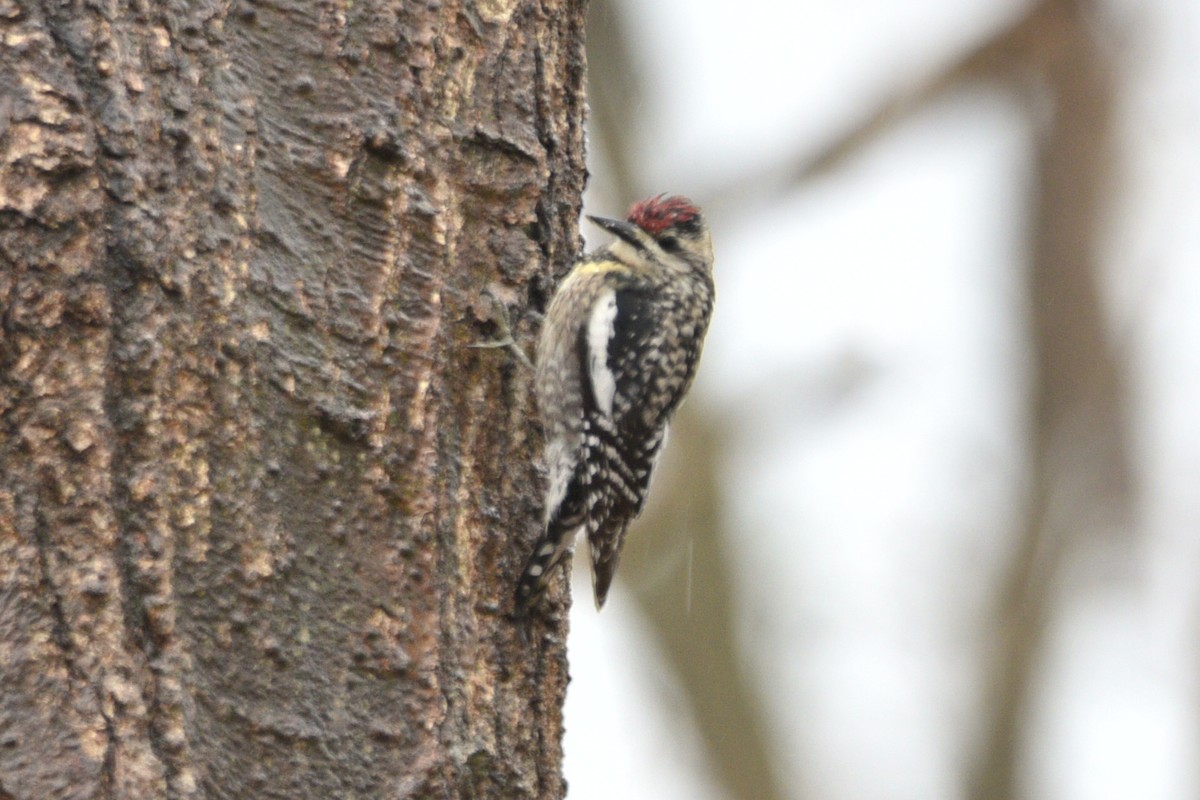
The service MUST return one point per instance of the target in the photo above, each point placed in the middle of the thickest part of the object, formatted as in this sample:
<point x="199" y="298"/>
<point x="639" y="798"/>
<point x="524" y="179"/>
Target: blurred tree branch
<point x="681" y="578"/>
<point x="1079" y="471"/>
<point x="1011" y="49"/>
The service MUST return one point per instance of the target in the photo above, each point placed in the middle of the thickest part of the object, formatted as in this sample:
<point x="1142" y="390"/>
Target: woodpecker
<point x="617" y="353"/>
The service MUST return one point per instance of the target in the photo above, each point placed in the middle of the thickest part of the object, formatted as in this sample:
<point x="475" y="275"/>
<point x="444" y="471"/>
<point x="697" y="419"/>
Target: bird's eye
<point x="669" y="243"/>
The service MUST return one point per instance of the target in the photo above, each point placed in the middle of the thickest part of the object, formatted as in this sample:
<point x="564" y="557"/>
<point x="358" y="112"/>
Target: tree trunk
<point x="261" y="506"/>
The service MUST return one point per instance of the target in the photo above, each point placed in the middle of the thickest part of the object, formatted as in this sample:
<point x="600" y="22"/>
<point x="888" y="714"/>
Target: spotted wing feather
<point x="626" y="443"/>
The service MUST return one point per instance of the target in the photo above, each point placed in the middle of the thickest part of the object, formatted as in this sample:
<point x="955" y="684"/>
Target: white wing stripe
<point x="599" y="334"/>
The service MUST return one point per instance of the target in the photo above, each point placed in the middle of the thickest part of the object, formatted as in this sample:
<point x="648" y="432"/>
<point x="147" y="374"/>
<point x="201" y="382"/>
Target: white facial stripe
<point x="626" y="253"/>
<point x="599" y="334"/>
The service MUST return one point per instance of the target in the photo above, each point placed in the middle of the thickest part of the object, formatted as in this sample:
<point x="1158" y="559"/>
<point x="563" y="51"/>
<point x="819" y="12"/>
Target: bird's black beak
<point x="619" y="228"/>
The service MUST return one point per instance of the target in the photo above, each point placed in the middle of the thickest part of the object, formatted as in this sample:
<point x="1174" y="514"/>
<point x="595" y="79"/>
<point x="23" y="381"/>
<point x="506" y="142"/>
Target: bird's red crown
<point x="654" y="215"/>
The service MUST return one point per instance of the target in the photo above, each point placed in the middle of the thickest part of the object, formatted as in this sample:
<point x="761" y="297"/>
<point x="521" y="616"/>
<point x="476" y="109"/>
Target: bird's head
<point x="666" y="227"/>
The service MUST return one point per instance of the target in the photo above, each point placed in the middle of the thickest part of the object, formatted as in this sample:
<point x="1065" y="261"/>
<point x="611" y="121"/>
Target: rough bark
<point x="261" y="508"/>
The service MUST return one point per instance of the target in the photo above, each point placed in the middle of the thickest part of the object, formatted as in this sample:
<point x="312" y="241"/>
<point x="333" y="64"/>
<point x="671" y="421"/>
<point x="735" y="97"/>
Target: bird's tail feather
<point x="548" y="554"/>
